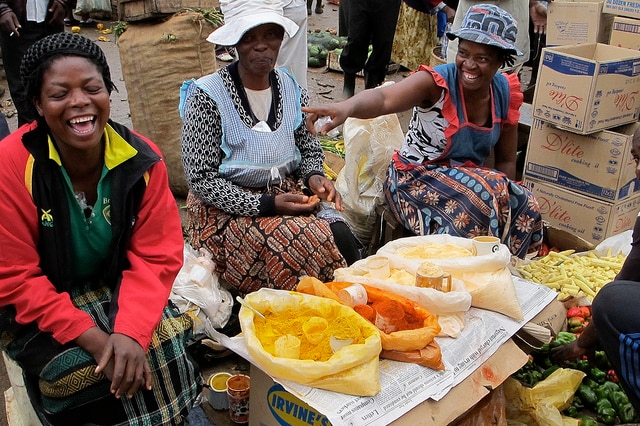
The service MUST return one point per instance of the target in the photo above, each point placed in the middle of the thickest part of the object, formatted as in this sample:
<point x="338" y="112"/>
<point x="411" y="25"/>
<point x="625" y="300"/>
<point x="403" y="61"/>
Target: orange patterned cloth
<point x="252" y="252"/>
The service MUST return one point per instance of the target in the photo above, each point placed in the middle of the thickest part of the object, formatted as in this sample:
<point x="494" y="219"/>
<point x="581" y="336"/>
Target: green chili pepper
<point x="587" y="395"/>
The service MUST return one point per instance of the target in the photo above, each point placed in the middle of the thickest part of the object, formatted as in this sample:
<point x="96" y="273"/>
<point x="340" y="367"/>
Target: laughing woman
<point x="438" y="182"/>
<point x="90" y="243"/>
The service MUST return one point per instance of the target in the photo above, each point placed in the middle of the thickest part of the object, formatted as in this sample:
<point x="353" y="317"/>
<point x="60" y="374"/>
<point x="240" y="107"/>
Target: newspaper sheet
<point x="406" y="385"/>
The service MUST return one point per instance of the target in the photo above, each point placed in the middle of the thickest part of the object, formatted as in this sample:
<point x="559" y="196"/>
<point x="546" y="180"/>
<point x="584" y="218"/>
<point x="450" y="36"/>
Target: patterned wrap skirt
<point x="251" y="252"/>
<point x="465" y="202"/>
<point x="64" y="389"/>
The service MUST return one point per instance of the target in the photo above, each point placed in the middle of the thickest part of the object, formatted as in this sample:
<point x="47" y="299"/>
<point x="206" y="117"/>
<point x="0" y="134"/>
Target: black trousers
<point x="369" y="22"/>
<point x="13" y="49"/>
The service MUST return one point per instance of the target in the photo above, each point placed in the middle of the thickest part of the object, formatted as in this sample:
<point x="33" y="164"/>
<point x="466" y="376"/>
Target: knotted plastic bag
<point x="197" y="289"/>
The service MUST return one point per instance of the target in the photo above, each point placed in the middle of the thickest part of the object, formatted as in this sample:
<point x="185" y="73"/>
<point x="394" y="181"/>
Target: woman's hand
<point x="337" y="112"/>
<point x="324" y="188"/>
<point x="131" y="370"/>
<point x="295" y="204"/>
<point x="120" y="358"/>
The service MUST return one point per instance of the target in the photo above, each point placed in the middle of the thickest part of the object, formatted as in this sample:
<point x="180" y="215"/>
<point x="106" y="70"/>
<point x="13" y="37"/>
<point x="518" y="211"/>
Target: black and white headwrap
<point x="39" y="57"/>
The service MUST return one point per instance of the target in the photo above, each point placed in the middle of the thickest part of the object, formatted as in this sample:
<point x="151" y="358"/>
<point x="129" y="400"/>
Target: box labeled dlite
<point x="598" y="165"/>
<point x="588" y="218"/>
<point x="588" y="87"/>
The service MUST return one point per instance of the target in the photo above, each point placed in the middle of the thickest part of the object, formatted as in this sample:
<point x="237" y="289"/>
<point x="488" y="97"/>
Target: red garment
<point x="154" y="251"/>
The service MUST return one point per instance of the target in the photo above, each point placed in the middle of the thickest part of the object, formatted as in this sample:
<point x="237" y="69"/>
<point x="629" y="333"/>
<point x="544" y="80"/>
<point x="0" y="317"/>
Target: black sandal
<point x="70" y="22"/>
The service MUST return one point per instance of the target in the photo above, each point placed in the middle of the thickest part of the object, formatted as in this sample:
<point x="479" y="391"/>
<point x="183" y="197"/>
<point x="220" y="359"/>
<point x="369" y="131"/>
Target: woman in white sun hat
<point x="259" y="199"/>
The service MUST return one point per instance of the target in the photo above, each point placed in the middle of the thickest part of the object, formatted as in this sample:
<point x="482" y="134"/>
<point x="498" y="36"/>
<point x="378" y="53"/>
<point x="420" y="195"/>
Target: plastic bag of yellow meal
<point x="406" y="329"/>
<point x="542" y="404"/>
<point x="312" y="340"/>
<point x="487" y="278"/>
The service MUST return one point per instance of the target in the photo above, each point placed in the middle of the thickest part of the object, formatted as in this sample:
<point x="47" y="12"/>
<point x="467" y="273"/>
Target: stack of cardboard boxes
<point x="585" y="108"/>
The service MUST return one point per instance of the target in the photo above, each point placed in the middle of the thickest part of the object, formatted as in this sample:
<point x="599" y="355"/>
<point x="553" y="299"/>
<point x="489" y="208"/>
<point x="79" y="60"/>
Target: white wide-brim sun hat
<point x="242" y="15"/>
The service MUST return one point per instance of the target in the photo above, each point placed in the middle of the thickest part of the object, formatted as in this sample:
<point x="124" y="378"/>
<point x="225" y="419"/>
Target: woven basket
<point x="435" y="58"/>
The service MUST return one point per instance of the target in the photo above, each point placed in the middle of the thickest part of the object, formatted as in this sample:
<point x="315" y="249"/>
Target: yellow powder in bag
<point x="292" y="322"/>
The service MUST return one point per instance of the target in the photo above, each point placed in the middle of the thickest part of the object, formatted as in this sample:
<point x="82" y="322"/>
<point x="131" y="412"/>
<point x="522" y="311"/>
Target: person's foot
<point x="319" y="8"/>
<point x="88" y="23"/>
<point x="68" y="22"/>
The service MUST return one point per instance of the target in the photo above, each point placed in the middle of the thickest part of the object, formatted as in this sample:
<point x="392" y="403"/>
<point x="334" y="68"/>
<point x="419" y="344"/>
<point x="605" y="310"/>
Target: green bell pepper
<point x="546" y="373"/>
<point x="588" y="421"/>
<point x="583" y="365"/>
<point x="598" y="375"/>
<point x="607" y="416"/>
<point x="587" y="395"/>
<point x="562" y="338"/>
<point x="618" y="399"/>
<point x="570" y="411"/>
<point x="626" y="413"/>
<point x="610" y="386"/>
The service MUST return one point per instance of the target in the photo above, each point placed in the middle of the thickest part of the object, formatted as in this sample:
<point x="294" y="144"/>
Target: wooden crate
<point x="140" y="10"/>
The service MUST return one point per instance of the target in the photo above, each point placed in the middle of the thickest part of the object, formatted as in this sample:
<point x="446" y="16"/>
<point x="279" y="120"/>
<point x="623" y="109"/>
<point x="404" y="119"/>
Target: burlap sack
<point x="156" y="58"/>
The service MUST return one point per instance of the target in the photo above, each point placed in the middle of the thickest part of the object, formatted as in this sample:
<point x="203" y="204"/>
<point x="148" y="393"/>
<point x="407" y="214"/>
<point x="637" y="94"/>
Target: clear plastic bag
<point x="197" y="288"/>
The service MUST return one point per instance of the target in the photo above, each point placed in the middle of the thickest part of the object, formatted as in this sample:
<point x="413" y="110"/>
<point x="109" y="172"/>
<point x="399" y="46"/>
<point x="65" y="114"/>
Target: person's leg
<point x="347" y="243"/>
<point x="385" y="18"/>
<point x="13" y="49"/>
<point x="343" y="18"/>
<point x="354" y="53"/>
<point x="618" y="327"/>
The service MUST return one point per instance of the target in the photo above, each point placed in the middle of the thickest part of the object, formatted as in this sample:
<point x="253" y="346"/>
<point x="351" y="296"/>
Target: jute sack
<point x="156" y="58"/>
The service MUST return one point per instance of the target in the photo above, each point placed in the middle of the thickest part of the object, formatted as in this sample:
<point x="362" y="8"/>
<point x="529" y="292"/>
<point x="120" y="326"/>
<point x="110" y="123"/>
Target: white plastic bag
<point x="618" y="244"/>
<point x="487" y="278"/>
<point x="369" y="146"/>
<point x="196" y="287"/>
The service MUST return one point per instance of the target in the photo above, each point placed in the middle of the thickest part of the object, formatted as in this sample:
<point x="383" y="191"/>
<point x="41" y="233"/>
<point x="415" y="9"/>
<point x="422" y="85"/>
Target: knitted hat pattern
<point x="58" y="45"/>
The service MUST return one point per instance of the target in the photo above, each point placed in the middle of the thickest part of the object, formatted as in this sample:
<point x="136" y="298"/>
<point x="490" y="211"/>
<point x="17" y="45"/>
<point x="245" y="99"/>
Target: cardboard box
<point x="599" y="164"/>
<point x="630" y="8"/>
<point x="590" y="219"/>
<point x="570" y="22"/>
<point x="271" y="405"/>
<point x="139" y="10"/>
<point x="588" y="87"/>
<point x="625" y="32"/>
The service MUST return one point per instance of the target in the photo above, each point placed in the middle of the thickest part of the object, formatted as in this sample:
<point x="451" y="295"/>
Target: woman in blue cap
<point x="438" y="181"/>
